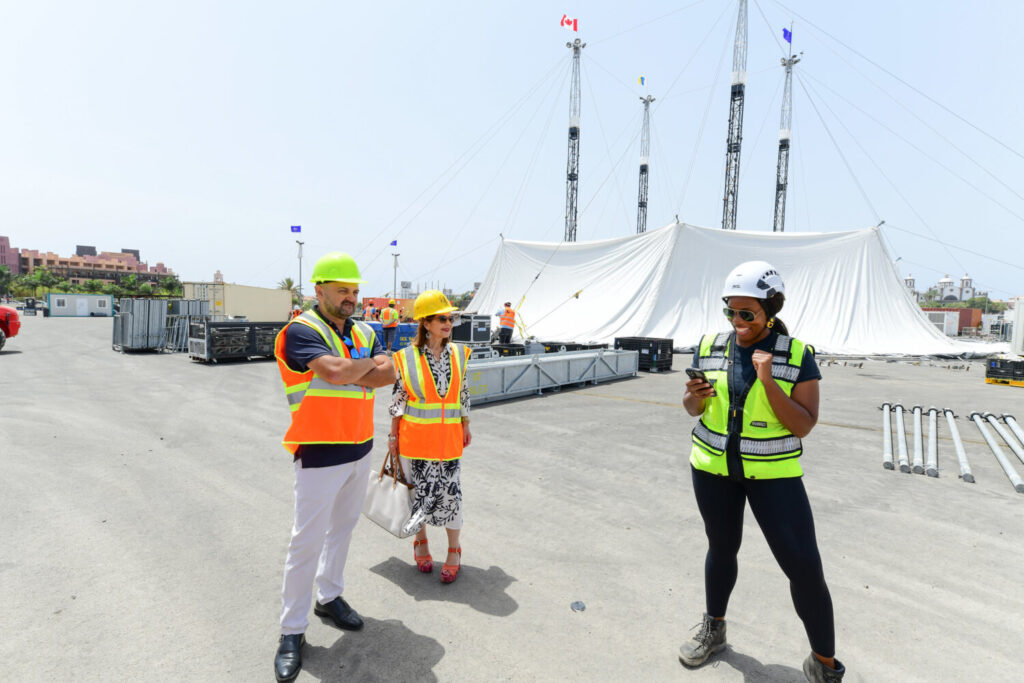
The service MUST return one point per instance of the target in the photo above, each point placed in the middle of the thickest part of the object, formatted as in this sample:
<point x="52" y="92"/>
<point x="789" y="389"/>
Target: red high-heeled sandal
<point x="451" y="572"/>
<point x="425" y="563"/>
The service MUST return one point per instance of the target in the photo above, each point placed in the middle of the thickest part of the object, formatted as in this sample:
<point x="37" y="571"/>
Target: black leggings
<point x="783" y="512"/>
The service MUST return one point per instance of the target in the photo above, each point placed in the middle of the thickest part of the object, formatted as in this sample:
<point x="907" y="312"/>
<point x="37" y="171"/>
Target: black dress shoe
<point x="338" y="611"/>
<point x="288" y="661"/>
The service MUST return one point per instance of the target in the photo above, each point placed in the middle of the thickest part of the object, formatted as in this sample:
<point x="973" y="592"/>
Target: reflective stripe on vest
<point x="322" y="412"/>
<point x="767" y="448"/>
<point x="431" y="427"/>
<point x="508" y="318"/>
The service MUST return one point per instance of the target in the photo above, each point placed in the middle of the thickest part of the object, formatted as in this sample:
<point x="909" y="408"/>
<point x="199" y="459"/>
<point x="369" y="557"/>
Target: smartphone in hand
<point x="694" y="373"/>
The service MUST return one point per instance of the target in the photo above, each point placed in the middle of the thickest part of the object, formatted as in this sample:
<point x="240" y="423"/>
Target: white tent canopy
<point x="843" y="293"/>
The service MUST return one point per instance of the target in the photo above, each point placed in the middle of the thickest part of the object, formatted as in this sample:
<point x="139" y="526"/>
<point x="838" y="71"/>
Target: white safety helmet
<point x="757" y="279"/>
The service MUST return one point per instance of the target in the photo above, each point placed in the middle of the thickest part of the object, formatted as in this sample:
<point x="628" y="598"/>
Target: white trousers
<point x="328" y="501"/>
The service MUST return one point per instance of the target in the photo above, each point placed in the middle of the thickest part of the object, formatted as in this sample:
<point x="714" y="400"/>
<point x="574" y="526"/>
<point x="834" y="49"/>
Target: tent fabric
<point x="843" y="293"/>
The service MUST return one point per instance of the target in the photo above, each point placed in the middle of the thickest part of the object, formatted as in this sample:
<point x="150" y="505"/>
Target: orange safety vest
<point x="508" y="318"/>
<point x="389" y="317"/>
<point x="431" y="428"/>
<point x="322" y="412"/>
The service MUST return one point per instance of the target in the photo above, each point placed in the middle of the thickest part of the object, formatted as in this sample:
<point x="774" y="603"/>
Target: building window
<point x="101" y="303"/>
<point x="60" y="303"/>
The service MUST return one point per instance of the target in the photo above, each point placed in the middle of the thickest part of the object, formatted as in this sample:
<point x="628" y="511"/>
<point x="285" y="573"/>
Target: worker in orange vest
<point x="430" y="428"/>
<point x="506" y="323"/>
<point x="330" y="364"/>
<point x="389" y="323"/>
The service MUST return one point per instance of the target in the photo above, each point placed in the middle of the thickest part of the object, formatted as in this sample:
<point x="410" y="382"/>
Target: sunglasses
<point x="444" y="318"/>
<point x="746" y="316"/>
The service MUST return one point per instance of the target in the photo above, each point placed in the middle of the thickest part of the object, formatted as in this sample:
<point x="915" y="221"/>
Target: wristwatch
<point x="392" y="437"/>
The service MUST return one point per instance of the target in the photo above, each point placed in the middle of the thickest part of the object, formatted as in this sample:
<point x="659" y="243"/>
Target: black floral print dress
<point x="437" y="500"/>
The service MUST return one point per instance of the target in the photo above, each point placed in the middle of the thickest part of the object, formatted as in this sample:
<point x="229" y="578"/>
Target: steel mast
<point x="572" y="172"/>
<point x="785" y="130"/>
<point x="645" y="153"/>
<point x="732" y="147"/>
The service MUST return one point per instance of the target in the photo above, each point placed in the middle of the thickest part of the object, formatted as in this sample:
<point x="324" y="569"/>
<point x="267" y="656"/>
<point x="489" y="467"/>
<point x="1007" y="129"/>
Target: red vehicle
<point x="10" y="323"/>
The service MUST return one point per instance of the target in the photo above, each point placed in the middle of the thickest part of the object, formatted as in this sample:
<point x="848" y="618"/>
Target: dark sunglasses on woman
<point x="746" y="316"/>
<point x="444" y="318"/>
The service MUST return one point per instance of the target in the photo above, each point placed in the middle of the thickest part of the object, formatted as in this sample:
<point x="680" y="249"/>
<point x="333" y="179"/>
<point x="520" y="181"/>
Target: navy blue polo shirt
<point x="303" y="344"/>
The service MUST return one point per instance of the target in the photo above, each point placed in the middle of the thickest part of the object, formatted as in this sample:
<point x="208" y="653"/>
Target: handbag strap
<point x="397" y="473"/>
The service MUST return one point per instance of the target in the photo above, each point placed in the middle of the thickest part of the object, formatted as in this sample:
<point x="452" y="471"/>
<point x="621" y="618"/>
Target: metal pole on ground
<point x="1017" y="449"/>
<point x="1011" y="422"/>
<point x="901" y="440"/>
<point x="1004" y="462"/>
<point x="887" y="437"/>
<point x="932" y="467"/>
<point x="918" y="447"/>
<point x="961" y="455"/>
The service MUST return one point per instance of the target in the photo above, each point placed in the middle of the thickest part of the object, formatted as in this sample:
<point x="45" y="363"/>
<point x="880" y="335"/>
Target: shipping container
<point x="258" y="304"/>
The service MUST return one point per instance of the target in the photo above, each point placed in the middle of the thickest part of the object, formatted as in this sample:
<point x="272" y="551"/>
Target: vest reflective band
<point x="508" y="318"/>
<point x="389" y="317"/>
<point x="431" y="428"/>
<point x="768" y="450"/>
<point x="322" y="412"/>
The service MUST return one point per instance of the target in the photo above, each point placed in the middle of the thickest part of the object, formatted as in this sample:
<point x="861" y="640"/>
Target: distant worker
<point x="330" y="365"/>
<point x="296" y="311"/>
<point x="368" y="311"/>
<point x="759" y="397"/>
<point x="506" y="323"/>
<point x="430" y="427"/>
<point x="389" y="323"/>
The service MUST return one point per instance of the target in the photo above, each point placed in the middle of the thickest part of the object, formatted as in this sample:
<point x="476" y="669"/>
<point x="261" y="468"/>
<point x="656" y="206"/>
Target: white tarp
<point x="843" y="293"/>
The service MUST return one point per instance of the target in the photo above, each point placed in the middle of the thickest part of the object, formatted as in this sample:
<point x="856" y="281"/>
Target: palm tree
<point x="6" y="278"/>
<point x="171" y="284"/>
<point x="290" y="285"/>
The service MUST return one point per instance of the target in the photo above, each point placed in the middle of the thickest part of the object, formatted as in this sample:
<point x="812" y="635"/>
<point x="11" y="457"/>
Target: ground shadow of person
<point x="754" y="671"/>
<point x="481" y="589"/>
<point x="385" y="650"/>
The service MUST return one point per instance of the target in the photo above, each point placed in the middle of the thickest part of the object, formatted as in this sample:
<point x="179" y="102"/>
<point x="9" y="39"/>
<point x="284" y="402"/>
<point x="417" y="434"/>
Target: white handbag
<point x="388" y="501"/>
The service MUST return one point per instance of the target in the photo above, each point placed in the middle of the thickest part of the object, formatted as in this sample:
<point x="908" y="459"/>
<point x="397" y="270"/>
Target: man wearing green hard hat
<point x="330" y="364"/>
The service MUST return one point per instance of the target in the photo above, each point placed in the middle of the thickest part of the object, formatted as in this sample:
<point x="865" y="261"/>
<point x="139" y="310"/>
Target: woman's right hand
<point x="700" y="388"/>
<point x="697" y="391"/>
<point x="392" y="445"/>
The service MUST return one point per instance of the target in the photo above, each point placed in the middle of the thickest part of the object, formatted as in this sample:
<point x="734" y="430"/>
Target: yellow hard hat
<point x="431" y="302"/>
<point x="391" y="302"/>
<point x="337" y="266"/>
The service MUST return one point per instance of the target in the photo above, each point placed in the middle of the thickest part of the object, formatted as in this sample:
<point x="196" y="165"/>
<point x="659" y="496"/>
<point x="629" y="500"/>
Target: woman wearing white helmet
<point x="757" y="398"/>
<point x="430" y="427"/>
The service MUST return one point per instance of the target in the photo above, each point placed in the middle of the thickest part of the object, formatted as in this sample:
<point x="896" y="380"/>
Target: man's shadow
<point x="481" y="589"/>
<point x="754" y="671"/>
<point x="384" y="650"/>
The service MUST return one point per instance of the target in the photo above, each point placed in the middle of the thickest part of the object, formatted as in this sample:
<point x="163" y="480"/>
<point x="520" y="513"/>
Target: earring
<point x="771" y="324"/>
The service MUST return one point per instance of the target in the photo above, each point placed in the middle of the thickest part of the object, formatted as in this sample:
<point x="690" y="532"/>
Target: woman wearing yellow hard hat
<point x="430" y="427"/>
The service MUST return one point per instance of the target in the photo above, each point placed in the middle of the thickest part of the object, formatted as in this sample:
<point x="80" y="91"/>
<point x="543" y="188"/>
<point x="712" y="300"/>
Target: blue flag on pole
<point x="394" y="243"/>
<point x="787" y="35"/>
<point x="296" y="228"/>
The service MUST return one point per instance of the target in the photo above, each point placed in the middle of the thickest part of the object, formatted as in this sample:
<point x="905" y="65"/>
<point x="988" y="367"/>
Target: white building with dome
<point x="947" y="289"/>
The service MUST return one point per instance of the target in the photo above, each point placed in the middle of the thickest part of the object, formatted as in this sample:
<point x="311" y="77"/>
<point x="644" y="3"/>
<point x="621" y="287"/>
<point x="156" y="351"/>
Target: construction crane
<point x="645" y="152"/>
<point x="572" y="171"/>
<point x="785" y="129"/>
<point x="732" y="146"/>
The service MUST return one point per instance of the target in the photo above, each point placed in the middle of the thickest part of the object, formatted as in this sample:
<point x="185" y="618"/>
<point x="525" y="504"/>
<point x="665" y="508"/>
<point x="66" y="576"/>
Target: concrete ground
<point x="147" y="506"/>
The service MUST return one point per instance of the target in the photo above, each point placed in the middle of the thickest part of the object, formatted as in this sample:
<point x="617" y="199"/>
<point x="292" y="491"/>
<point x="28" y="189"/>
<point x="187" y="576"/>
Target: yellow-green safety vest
<point x="768" y="450"/>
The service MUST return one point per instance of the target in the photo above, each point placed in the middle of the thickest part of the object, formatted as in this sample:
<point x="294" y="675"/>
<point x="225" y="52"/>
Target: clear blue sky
<point x="199" y="131"/>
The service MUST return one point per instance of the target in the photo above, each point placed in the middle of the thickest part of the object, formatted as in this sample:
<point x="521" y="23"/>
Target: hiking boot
<point x="817" y="672"/>
<point x="708" y="640"/>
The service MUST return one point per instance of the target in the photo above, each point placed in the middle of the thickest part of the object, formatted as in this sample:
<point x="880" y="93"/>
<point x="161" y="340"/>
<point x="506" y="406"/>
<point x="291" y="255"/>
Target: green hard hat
<point x="336" y="266"/>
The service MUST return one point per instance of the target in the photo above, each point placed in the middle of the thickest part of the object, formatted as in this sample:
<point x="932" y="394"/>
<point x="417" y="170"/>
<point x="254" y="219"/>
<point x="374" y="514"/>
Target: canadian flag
<point x="569" y="23"/>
